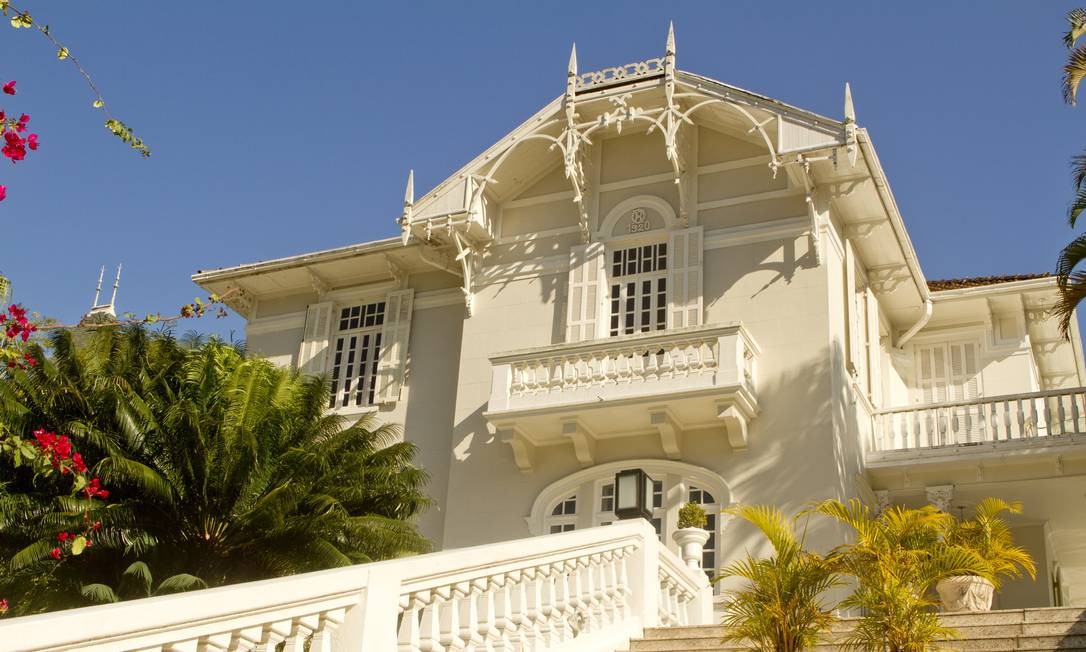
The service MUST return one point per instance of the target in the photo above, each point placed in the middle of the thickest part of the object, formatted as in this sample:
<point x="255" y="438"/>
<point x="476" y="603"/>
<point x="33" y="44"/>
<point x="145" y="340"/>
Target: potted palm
<point x="988" y="535"/>
<point x="691" y="534"/>
<point x="897" y="557"/>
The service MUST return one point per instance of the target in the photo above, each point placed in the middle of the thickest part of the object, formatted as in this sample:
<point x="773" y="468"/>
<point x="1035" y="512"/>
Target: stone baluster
<point x="272" y="635"/>
<point x="430" y="624"/>
<point x="526" y="636"/>
<point x="472" y="629"/>
<point x="504" y="636"/>
<point x="592" y="591"/>
<point x="301" y="630"/>
<point x="322" y="637"/>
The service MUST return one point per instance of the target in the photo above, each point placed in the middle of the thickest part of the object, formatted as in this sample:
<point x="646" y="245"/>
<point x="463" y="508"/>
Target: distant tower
<point x="104" y="311"/>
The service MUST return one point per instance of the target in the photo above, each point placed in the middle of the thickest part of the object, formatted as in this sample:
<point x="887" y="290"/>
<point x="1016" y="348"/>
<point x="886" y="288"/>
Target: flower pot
<point x="691" y="541"/>
<point x="965" y="593"/>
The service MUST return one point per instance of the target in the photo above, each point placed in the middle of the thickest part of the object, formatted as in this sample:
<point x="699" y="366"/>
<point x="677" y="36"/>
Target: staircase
<point x="994" y="631"/>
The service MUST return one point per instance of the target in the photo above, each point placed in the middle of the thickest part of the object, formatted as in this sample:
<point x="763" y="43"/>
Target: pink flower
<point x="32" y="141"/>
<point x="9" y="87"/>
<point x="3" y="193"/>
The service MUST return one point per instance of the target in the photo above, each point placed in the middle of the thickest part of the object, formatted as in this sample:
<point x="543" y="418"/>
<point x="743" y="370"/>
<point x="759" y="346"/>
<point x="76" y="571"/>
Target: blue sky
<point x="279" y="128"/>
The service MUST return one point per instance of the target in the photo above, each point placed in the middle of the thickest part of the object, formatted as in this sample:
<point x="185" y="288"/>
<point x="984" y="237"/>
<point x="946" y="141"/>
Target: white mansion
<point x="656" y="271"/>
<point x="661" y="271"/>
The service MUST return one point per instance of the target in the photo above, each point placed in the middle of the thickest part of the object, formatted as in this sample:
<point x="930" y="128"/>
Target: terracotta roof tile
<point x="977" y="281"/>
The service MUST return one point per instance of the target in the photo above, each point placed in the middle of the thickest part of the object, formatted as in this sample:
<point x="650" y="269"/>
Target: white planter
<point x="691" y="542"/>
<point x="965" y="593"/>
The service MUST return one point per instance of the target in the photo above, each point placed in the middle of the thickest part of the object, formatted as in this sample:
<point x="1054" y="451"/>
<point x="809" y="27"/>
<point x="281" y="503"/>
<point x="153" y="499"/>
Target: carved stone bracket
<point x="583" y="440"/>
<point x="396" y="272"/>
<point x="940" y="496"/>
<point x="523" y="450"/>
<point x="735" y="424"/>
<point x="887" y="278"/>
<point x="467" y="254"/>
<point x="671" y="432"/>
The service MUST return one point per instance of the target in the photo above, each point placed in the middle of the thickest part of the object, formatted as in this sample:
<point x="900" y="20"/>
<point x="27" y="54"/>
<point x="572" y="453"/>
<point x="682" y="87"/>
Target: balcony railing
<point x="587" y="590"/>
<point x="664" y="381"/>
<point x="1014" y="417"/>
<point x="622" y="366"/>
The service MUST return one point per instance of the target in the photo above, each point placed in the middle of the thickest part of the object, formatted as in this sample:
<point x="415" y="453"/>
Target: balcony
<point x="658" y="384"/>
<point x="1045" y="430"/>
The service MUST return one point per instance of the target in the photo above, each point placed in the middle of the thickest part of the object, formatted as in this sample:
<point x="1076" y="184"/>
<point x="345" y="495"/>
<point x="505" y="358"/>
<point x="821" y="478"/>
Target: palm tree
<point x="896" y="558"/>
<point x="779" y="608"/>
<point x="137" y="582"/>
<point x="221" y="466"/>
<point x="990" y="537"/>
<point x="1072" y="283"/>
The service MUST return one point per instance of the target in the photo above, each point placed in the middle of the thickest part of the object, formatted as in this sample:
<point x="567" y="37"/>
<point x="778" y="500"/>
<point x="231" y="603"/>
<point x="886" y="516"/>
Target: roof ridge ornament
<point x="850" y="126"/>
<point x="408" y="208"/>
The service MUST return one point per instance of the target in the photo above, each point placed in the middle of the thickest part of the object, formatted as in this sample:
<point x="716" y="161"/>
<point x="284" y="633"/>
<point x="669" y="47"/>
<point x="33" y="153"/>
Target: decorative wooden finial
<point x="851" y="147"/>
<point x="408" y="207"/>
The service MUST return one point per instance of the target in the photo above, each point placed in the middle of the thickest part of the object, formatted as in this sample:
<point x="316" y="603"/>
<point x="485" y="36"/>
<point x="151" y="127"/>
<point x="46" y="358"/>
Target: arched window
<point x="563" y="516"/>
<point x="673" y="483"/>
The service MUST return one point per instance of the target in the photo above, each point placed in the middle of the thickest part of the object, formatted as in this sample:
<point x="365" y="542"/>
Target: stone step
<point x="995" y="631"/>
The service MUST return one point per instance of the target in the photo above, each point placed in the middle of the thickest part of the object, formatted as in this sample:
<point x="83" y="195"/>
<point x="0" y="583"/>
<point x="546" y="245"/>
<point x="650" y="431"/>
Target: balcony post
<point x="501" y="381"/>
<point x="371" y="623"/>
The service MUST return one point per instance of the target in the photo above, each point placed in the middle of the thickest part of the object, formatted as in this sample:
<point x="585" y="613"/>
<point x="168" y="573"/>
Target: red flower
<point x="97" y="525"/>
<point x="20" y="126"/>
<point x="9" y="87"/>
<point x="63" y="447"/>
<point x="63" y="536"/>
<point x="3" y="193"/>
<point x="77" y="459"/>
<point x="94" y="488"/>
<point x="3" y="606"/>
<point x="55" y="553"/>
<point x="32" y="141"/>
<point x="89" y="543"/>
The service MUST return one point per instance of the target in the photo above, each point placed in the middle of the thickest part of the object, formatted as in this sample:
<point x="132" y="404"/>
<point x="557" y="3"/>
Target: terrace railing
<point x="577" y="591"/>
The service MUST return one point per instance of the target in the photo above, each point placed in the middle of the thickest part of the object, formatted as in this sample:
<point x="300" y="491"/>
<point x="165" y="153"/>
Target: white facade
<point x="659" y="270"/>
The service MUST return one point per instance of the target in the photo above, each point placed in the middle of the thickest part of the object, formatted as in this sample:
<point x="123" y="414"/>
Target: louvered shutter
<point x="583" y="298"/>
<point x="395" y="332"/>
<point x="932" y="377"/>
<point x="314" y="350"/>
<point x="684" y="284"/>
<point x="964" y="385"/>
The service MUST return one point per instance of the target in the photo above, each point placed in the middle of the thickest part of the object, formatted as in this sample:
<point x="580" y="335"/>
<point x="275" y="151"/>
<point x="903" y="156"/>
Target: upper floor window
<point x="356" y="349"/>
<point x="638" y="292"/>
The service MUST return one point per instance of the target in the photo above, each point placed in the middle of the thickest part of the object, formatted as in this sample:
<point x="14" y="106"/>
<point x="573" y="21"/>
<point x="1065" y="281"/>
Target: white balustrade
<point x="585" y="590"/>
<point x="617" y="367"/>
<point x="1014" y="417"/>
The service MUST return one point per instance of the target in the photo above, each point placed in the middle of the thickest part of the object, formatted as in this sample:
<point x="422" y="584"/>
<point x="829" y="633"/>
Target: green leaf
<point x="78" y="544"/>
<point x="98" y="103"/>
<point x="80" y="482"/>
<point x="62" y="53"/>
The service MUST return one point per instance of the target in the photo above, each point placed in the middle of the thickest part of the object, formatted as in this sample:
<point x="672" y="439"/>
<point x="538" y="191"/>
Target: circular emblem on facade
<point x="639" y="221"/>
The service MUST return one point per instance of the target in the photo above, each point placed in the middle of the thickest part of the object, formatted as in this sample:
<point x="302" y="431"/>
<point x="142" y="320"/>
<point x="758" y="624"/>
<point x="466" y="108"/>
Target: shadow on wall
<point x="777" y="256"/>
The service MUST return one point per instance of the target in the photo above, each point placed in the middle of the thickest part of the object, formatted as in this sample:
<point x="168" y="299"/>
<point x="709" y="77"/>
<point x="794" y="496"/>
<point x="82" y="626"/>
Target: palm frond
<point x="1073" y="73"/>
<point x="1077" y="27"/>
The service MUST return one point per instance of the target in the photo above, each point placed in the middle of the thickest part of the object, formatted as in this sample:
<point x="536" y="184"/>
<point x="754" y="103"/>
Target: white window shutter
<point x="684" y="282"/>
<point x="585" y="286"/>
<point x="395" y="332"/>
<point x="314" y="351"/>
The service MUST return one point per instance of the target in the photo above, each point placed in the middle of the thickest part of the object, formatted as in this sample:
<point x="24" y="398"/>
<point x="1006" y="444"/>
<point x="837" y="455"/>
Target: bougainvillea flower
<point x="62" y="536"/>
<point x="55" y="553"/>
<point x="9" y="87"/>
<point x="3" y="193"/>
<point x="32" y="141"/>
<point x="3" y="606"/>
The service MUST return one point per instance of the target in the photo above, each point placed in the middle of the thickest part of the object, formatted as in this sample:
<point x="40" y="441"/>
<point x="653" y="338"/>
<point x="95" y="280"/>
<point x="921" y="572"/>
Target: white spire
<point x="98" y="290"/>
<point x="669" y="49"/>
<point x="851" y="140"/>
<point x="408" y="207"/>
<point x="850" y="110"/>
<point x="572" y="69"/>
<point x="116" y="283"/>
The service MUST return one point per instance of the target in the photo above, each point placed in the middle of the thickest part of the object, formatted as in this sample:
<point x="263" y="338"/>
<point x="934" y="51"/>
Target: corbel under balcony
<point x="660" y="385"/>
